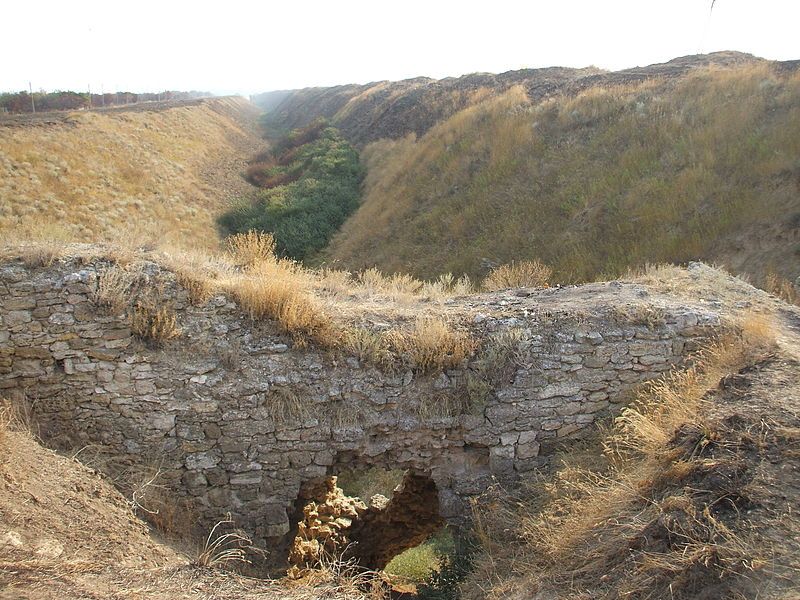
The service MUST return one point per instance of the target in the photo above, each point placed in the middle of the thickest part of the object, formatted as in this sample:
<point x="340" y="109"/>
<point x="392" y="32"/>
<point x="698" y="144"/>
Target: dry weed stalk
<point x="337" y="577"/>
<point x="251" y="248"/>
<point x="115" y="287"/>
<point x="222" y="550"/>
<point x="16" y="416"/>
<point x="140" y="494"/>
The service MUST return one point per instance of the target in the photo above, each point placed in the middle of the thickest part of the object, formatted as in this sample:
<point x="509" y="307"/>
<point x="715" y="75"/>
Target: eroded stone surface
<point x="238" y="420"/>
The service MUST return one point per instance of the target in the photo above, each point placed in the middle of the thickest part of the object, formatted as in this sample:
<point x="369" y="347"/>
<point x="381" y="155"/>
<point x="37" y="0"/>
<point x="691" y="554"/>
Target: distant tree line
<point x="20" y="102"/>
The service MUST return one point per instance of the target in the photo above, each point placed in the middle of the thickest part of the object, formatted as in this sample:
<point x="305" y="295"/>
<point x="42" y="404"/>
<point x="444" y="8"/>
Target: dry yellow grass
<point x="158" y="175"/>
<point x="648" y="424"/>
<point x="115" y="287"/>
<point x="300" y="300"/>
<point x="251" y="248"/>
<point x="782" y="288"/>
<point x="432" y="345"/>
<point x="279" y="289"/>
<point x="523" y="273"/>
<point x="153" y="323"/>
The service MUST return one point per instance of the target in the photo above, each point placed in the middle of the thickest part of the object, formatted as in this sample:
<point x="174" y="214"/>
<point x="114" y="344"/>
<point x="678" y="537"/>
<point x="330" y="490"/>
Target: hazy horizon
<point x="249" y="49"/>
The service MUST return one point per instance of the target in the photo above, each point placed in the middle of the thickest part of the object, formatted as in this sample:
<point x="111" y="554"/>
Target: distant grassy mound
<point x="310" y="184"/>
<point x="705" y="165"/>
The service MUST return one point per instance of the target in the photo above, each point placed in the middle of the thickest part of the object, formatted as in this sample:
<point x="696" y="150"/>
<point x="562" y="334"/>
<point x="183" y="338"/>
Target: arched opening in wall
<point x="387" y="520"/>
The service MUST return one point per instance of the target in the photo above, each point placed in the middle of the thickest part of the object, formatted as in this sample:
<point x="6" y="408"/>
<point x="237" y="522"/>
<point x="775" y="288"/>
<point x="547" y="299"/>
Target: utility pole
<point x="33" y="104"/>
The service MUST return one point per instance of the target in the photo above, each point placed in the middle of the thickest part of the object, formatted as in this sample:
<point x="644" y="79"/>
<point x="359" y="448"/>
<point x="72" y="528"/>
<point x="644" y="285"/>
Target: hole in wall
<point x="371" y="515"/>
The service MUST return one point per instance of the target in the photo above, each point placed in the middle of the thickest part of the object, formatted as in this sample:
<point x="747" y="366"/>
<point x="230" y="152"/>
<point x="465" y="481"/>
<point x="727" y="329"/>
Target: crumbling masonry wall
<point x="239" y="420"/>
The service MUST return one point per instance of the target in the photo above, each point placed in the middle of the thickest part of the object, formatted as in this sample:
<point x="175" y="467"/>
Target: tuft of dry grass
<point x="647" y="315"/>
<point x="152" y="323"/>
<point x="279" y="289"/>
<point x="272" y="290"/>
<point x="370" y="346"/>
<point x="518" y="274"/>
<point x="286" y="406"/>
<point x="221" y="550"/>
<point x="496" y="364"/>
<point x="782" y="288"/>
<point x="5" y="418"/>
<point x="15" y="416"/>
<point x="252" y="248"/>
<point x="432" y="345"/>
<point x="115" y="288"/>
<point x="198" y="288"/>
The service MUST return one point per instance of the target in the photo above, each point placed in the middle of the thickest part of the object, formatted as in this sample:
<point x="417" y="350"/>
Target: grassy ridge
<point x="593" y="184"/>
<point x="310" y="185"/>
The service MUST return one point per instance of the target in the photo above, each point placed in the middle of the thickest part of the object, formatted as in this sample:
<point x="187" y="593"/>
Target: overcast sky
<point x="233" y="46"/>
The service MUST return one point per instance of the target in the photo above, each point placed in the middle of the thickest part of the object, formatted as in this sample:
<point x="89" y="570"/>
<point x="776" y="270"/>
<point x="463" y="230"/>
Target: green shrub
<point x="419" y="564"/>
<point x="311" y="189"/>
<point x="443" y="584"/>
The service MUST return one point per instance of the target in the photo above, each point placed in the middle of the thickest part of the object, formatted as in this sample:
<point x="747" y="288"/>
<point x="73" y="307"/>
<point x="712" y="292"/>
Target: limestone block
<point x="528" y="450"/>
<point x="212" y="430"/>
<point x="652" y="359"/>
<point x="559" y="390"/>
<point x="162" y="422"/>
<point x="18" y="304"/>
<point x="202" y="460"/>
<point x="551" y="424"/>
<point x="188" y="431"/>
<point x="246" y="478"/>
<point x="28" y="368"/>
<point x="567" y="429"/>
<point x="15" y="318"/>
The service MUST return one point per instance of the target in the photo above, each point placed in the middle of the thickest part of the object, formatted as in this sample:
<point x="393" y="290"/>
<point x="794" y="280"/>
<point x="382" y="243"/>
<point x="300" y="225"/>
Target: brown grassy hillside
<point x="152" y="174"/>
<point x="393" y="109"/>
<point x="705" y="165"/>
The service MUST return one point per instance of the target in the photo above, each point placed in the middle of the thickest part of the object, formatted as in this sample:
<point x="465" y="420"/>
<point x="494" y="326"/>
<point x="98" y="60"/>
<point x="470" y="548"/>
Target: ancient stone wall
<point x="238" y="420"/>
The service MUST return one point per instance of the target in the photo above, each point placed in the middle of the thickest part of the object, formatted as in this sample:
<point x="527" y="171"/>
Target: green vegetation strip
<point x="310" y="184"/>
